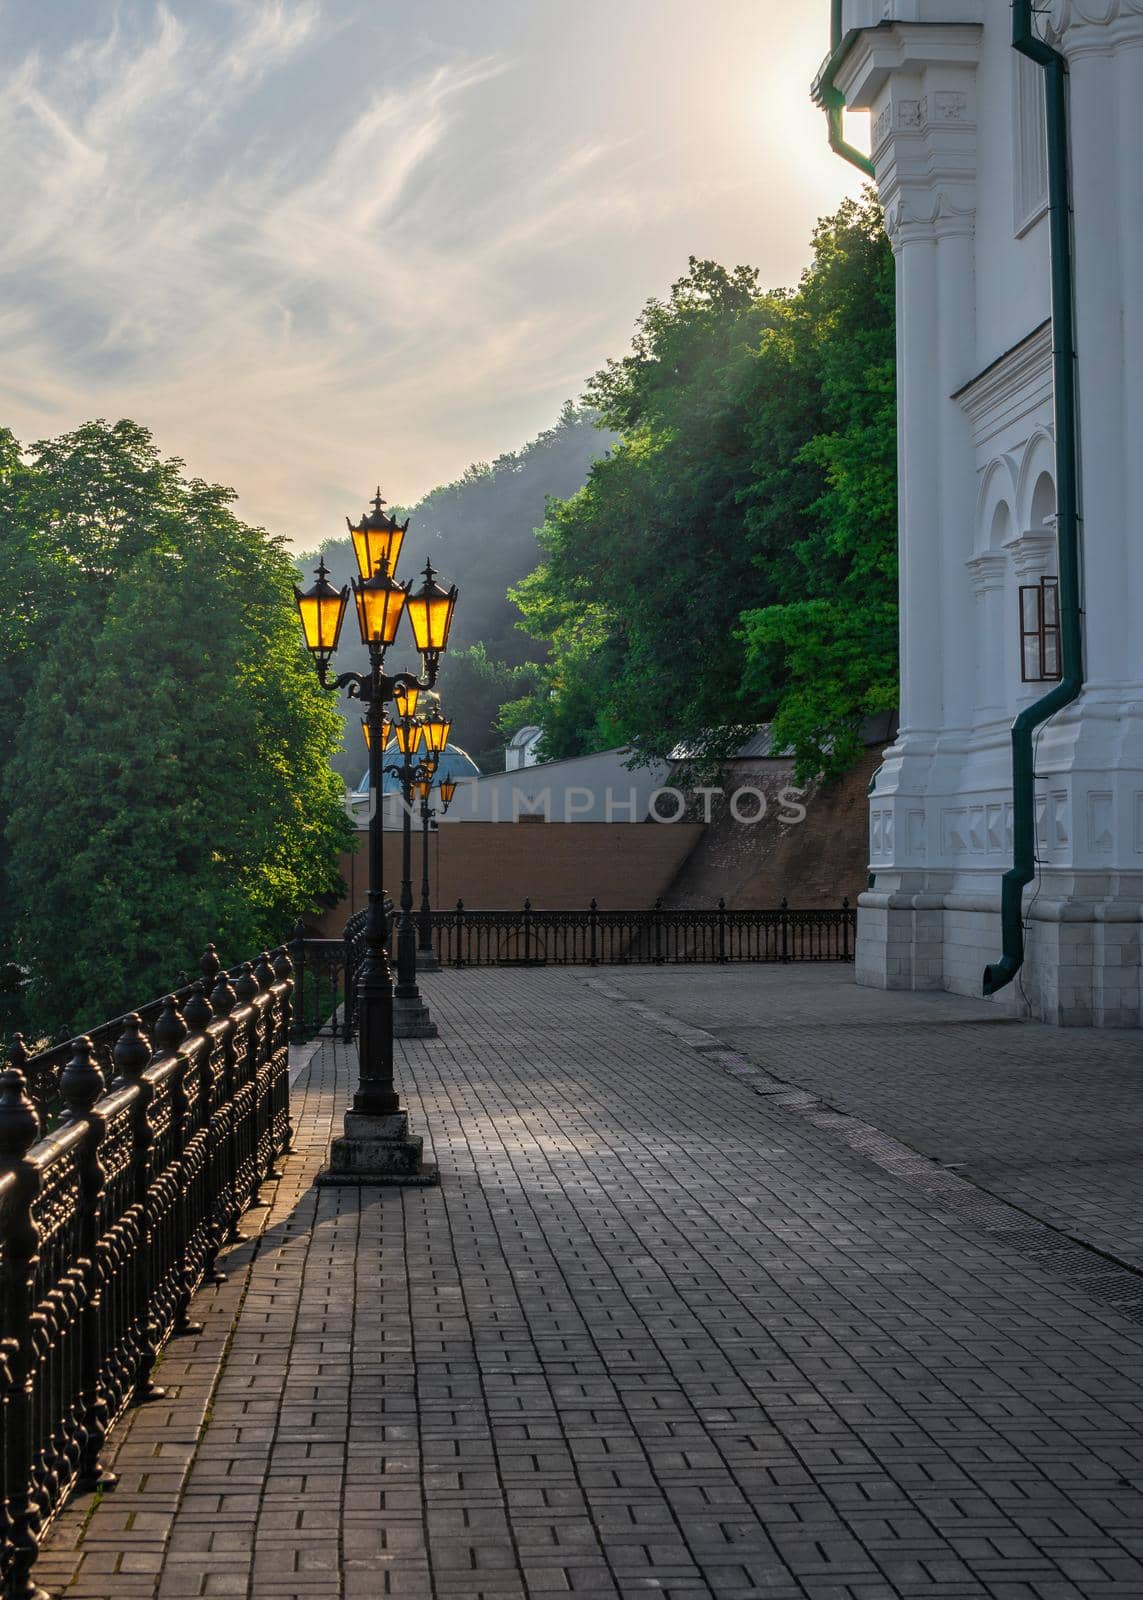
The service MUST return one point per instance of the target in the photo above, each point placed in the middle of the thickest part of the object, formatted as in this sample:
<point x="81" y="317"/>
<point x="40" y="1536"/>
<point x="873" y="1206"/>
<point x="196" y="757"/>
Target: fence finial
<point x="197" y="1010"/>
<point x="81" y="1082"/>
<point x="223" y="997"/>
<point x="209" y="966"/>
<point x="263" y="971"/>
<point x="132" y="1053"/>
<point x="19" y="1124"/>
<point x="170" y="1028"/>
<point x="246" y="985"/>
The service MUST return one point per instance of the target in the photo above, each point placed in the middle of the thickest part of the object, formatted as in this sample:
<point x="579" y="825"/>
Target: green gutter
<point x="830" y="98"/>
<point x="1023" y="870"/>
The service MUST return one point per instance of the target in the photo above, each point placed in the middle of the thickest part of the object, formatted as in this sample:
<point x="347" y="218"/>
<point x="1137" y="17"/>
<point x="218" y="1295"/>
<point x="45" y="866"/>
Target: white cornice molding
<point x="1013" y="386"/>
<point x="987" y="571"/>
<point x="875" y="13"/>
<point x="902" y="47"/>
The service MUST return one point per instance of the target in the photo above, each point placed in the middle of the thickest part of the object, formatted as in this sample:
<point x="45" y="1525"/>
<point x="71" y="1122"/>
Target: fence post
<point x="721" y="928"/>
<point x="19" y="1129"/>
<point x="347" y="998"/>
<point x="132" y="1057"/>
<point x="277" y="1067"/>
<point x="242" y="993"/>
<point x="170" y="1032"/>
<point x="593" y="925"/>
<point x="81" y="1086"/>
<point x="527" y="931"/>
<point x="284" y="973"/>
<point x="657" y="924"/>
<point x="458" y="959"/>
<point x="785" y="929"/>
<point x="198" y="1016"/>
<point x="847" y="928"/>
<point x="298" y="954"/>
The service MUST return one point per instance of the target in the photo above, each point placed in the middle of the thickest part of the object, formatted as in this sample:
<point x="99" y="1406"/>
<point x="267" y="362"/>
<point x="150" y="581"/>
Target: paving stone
<point x="669" y="1325"/>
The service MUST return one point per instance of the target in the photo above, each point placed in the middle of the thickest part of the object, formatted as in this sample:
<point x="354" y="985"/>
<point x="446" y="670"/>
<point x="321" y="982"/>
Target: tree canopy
<point x="164" y="763"/>
<point x="733" y="557"/>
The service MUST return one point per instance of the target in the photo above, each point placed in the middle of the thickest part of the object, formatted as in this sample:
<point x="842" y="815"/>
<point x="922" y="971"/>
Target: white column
<point x="1100" y="298"/>
<point x="919" y="476"/>
<point x="956" y="287"/>
<point x="988" y="573"/>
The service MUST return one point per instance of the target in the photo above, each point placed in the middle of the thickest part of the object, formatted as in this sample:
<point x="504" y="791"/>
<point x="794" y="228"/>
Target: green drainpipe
<point x="830" y="98"/>
<point x="1028" y="42"/>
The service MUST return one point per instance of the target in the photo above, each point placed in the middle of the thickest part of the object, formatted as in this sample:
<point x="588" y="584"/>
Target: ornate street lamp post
<point x="376" y="1146"/>
<point x="436" y="728"/>
<point x="411" y="1014"/>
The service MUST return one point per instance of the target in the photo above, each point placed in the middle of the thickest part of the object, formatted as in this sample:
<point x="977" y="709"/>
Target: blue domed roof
<point x="454" y="763"/>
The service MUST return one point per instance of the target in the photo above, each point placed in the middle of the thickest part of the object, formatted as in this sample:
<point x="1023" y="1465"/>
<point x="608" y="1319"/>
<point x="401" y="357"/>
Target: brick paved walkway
<point x="1049" y="1118"/>
<point x="667" y="1327"/>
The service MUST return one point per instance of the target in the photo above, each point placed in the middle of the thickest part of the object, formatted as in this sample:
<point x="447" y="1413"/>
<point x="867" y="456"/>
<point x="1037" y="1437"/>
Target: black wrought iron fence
<point x="325" y="993"/>
<point x="658" y="935"/>
<point x="327" y="968"/>
<point x="112" y="1220"/>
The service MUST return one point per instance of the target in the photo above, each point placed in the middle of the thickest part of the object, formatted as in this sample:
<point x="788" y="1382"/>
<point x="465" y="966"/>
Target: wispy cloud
<point x="295" y="248"/>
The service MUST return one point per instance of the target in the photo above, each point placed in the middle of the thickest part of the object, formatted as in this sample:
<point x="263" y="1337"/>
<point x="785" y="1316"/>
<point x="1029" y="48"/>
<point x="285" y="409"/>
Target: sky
<point x="316" y="243"/>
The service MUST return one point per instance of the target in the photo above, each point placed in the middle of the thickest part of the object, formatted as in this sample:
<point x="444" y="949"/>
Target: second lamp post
<point x="416" y="768"/>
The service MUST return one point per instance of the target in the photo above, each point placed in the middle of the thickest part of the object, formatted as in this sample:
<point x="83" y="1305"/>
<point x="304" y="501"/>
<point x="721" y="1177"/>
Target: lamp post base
<point x="411" y="1019"/>
<point x="377" y="1150"/>
<point x="427" y="960"/>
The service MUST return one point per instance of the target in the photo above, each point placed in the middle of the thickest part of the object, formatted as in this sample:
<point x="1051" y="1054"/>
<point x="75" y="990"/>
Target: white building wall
<point x="960" y="166"/>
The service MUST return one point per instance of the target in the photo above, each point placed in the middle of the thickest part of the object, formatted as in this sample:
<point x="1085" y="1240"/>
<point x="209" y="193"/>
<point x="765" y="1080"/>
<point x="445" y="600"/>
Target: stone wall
<point x="558" y="866"/>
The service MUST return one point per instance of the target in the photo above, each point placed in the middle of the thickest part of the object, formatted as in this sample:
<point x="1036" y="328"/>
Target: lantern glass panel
<point x="380" y="603"/>
<point x="375" y="547"/>
<point x="430" y="612"/>
<point x="405" y="699"/>
<point x="321" y="609"/>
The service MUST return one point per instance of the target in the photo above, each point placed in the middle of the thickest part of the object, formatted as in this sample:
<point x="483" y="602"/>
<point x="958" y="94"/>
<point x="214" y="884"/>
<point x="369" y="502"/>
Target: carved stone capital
<point x="924" y="212"/>
<point x="1080" y="26"/>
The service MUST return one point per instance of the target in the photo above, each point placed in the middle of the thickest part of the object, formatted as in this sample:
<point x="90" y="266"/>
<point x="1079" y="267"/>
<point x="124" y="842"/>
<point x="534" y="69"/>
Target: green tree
<point x="473" y="688"/>
<point x="826" y="655"/>
<point x="167" y="781"/>
<point x="733" y="557"/>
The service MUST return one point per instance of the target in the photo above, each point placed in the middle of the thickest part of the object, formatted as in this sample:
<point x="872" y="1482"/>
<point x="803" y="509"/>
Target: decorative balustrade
<point x="167" y="1122"/>
<point x="658" y="935"/>
<point x="327" y="968"/>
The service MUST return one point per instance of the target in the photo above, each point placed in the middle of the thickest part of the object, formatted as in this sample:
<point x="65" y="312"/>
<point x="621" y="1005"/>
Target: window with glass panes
<point x="1040" y="631"/>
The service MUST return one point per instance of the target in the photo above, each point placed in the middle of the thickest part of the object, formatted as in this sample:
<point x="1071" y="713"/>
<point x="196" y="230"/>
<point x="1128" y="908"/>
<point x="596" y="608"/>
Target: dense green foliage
<point x="480" y="534"/>
<point x="480" y="691"/>
<point x="165" y="757"/>
<point x="733" y="558"/>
